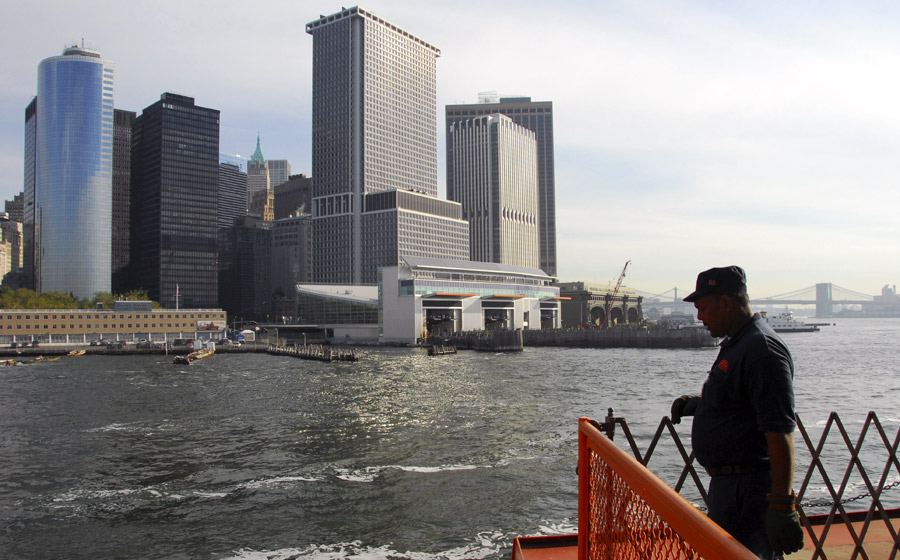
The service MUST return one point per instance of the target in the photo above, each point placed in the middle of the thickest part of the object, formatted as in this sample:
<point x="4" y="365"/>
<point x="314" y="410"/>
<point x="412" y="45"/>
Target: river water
<point x="400" y="455"/>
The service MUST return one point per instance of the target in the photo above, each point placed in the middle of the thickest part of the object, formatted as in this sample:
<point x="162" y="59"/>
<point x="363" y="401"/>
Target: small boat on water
<point x="784" y="323"/>
<point x="441" y="349"/>
<point x="193" y="357"/>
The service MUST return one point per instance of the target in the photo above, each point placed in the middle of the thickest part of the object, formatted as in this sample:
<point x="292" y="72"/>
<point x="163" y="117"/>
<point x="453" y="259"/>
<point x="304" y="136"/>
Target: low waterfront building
<point x="426" y="297"/>
<point x="129" y="321"/>
<point x="344" y="313"/>
<point x="589" y="304"/>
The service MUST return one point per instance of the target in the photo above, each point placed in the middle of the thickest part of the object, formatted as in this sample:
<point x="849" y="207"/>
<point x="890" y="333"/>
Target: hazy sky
<point x="688" y="134"/>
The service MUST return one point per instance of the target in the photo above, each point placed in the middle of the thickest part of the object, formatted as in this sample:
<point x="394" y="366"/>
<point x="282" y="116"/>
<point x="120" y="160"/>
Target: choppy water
<point x="397" y="456"/>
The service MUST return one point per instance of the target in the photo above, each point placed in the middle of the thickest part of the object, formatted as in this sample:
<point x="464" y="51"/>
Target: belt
<point x="725" y="470"/>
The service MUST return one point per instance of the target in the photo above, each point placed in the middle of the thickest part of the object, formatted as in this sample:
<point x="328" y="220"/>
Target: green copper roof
<point x="257" y="156"/>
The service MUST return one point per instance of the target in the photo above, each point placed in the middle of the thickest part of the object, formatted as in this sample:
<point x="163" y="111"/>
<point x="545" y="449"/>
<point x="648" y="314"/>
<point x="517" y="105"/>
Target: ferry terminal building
<point x="424" y="297"/>
<point x="428" y="297"/>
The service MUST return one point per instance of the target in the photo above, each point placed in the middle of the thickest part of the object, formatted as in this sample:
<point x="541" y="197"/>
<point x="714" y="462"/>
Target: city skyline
<point x="758" y="134"/>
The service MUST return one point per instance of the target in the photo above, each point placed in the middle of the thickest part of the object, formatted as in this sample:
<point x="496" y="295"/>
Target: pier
<point x="316" y="352"/>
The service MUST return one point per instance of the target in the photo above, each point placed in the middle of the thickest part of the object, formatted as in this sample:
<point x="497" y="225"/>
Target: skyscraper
<point x="245" y="269"/>
<point x="291" y="261"/>
<point x="16" y="207"/>
<point x="232" y="194"/>
<point x="29" y="273"/>
<point x="174" y="199"/>
<point x="375" y="131"/>
<point x="293" y="197"/>
<point x="279" y="171"/>
<point x="121" y="200"/>
<point x="72" y="188"/>
<point x="257" y="174"/>
<point x="492" y="172"/>
<point x="536" y="116"/>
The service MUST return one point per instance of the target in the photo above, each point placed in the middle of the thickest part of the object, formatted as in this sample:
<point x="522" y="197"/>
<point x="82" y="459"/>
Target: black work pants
<point x="737" y="503"/>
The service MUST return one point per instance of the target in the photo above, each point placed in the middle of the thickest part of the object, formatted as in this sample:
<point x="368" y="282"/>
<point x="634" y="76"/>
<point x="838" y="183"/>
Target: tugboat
<point x="784" y="323"/>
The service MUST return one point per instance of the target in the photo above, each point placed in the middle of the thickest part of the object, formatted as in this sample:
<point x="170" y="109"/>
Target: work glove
<point x="783" y="524"/>
<point x="685" y="405"/>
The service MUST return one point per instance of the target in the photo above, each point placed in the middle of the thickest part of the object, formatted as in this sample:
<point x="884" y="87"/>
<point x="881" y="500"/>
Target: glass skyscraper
<point x="73" y="173"/>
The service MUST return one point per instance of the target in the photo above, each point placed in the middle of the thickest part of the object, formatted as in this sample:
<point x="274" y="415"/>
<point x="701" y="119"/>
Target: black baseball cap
<point x="724" y="280"/>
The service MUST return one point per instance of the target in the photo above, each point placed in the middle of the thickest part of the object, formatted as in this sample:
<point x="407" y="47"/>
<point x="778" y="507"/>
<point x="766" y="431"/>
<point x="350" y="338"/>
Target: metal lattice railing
<point x="625" y="511"/>
<point x="847" y="455"/>
<point x="877" y="512"/>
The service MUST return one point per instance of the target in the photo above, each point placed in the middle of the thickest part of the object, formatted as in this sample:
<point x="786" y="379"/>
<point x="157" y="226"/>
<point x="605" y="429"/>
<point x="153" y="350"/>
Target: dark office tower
<point x="232" y="194"/>
<point x="16" y="208"/>
<point x="174" y="200"/>
<point x="245" y="269"/>
<point x="121" y="199"/>
<point x="29" y="276"/>
<point x="375" y="132"/>
<point x="293" y="197"/>
<point x="536" y="116"/>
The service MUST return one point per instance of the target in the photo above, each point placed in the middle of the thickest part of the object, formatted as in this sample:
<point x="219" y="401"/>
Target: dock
<point x="316" y="352"/>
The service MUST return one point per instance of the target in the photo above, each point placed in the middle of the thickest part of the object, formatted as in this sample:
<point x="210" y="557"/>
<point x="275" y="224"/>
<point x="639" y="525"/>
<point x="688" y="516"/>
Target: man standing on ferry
<point x="744" y="422"/>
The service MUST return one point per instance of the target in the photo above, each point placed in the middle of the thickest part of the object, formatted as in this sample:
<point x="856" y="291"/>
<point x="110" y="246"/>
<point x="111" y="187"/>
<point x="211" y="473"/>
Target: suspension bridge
<point x="824" y="296"/>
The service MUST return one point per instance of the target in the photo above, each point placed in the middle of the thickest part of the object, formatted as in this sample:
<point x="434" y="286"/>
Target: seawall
<point x="622" y="337"/>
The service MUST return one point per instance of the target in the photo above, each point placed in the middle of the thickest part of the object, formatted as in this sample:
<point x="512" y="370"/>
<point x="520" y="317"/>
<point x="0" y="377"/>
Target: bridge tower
<point x="824" y="301"/>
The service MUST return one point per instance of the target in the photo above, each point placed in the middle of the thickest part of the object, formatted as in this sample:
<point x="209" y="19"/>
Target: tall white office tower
<point x="536" y="116"/>
<point x="374" y="162"/>
<point x="72" y="182"/>
<point x="492" y="172"/>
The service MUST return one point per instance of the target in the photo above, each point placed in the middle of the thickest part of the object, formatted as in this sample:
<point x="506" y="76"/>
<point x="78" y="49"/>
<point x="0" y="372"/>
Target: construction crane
<point x="613" y="296"/>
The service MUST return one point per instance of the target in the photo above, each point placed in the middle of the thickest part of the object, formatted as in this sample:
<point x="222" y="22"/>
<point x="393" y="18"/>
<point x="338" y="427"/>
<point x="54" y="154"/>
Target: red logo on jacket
<point x="723" y="365"/>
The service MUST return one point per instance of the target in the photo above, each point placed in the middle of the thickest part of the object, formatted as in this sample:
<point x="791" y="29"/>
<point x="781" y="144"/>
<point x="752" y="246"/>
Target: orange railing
<point x="625" y="511"/>
<point x="873" y="532"/>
